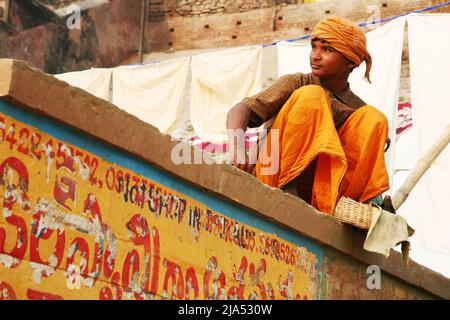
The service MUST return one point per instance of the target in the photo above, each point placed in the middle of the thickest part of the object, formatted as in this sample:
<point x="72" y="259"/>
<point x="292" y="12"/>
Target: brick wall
<point x="262" y="25"/>
<point x="187" y="8"/>
<point x="110" y="33"/>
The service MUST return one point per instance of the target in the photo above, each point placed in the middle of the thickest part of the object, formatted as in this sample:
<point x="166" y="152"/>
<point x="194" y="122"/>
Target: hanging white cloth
<point x="430" y="99"/>
<point x="385" y="45"/>
<point x="153" y="93"/>
<point x="293" y="57"/>
<point x="406" y="156"/>
<point x="220" y="80"/>
<point x="95" y="81"/>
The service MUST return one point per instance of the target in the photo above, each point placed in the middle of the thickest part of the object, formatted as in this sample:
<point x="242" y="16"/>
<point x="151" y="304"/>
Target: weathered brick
<point x="264" y="21"/>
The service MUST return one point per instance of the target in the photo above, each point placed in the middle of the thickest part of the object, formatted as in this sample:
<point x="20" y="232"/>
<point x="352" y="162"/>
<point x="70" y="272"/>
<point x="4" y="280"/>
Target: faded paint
<point x="96" y="220"/>
<point x="346" y="279"/>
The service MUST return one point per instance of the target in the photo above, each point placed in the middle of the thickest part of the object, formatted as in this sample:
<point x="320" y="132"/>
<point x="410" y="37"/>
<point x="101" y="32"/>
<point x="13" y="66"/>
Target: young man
<point x="330" y="142"/>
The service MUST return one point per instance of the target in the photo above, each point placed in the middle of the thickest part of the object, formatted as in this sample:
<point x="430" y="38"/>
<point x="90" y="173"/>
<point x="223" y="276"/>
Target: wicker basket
<point x="355" y="213"/>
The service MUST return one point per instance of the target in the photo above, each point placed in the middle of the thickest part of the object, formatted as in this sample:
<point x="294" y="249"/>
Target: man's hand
<point x="237" y="156"/>
<point x="237" y="121"/>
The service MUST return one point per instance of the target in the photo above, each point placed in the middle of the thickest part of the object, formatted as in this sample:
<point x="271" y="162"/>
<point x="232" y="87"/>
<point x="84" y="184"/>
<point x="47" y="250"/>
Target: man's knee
<point x="372" y="115"/>
<point x="309" y="97"/>
<point x="311" y="91"/>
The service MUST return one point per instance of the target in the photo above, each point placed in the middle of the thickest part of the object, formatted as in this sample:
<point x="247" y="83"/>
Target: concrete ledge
<point x="46" y="95"/>
<point x="6" y="67"/>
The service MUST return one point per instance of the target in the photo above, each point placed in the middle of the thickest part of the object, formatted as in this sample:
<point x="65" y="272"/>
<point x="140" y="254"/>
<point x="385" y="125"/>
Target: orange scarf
<point x="347" y="38"/>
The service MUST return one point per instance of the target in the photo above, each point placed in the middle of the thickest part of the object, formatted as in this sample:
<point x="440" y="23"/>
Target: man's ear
<point x="351" y="66"/>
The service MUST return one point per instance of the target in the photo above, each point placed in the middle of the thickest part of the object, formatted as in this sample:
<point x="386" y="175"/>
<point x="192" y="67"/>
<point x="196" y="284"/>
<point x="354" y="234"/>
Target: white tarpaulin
<point x="430" y="98"/>
<point x="293" y="57"/>
<point x="406" y="153"/>
<point x="220" y="80"/>
<point x="385" y="45"/>
<point x="95" y="81"/>
<point x="154" y="93"/>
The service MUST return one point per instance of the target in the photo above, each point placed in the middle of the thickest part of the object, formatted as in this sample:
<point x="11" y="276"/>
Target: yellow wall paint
<point x="62" y="215"/>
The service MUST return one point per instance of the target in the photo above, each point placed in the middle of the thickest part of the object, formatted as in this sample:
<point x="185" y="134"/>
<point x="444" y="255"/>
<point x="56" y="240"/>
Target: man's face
<point x="326" y="62"/>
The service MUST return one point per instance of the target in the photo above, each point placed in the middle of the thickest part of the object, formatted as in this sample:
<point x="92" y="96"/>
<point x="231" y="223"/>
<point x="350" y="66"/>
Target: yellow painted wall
<point x="75" y="226"/>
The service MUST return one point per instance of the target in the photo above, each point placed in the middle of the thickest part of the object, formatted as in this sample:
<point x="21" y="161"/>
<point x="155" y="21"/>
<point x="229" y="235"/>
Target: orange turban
<point x="347" y="38"/>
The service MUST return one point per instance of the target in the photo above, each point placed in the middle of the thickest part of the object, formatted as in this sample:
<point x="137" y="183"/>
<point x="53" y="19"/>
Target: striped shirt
<point x="268" y="102"/>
